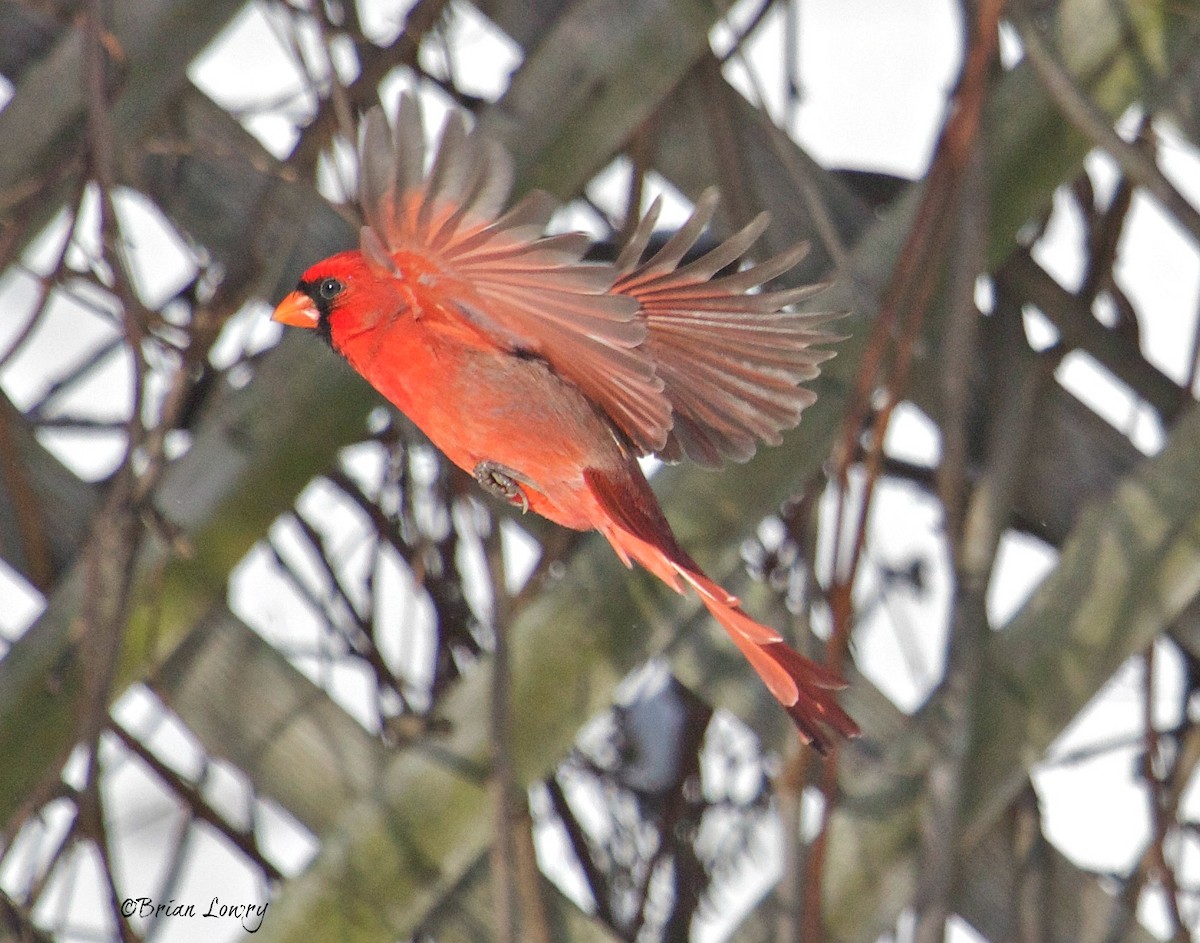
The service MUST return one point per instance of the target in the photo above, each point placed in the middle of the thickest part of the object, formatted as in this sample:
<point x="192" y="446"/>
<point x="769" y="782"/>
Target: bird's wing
<point x="528" y="292"/>
<point x="732" y="361"/>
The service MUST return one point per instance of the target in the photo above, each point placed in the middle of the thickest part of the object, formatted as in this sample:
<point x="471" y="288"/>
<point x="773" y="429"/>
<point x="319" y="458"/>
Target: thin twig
<point x="743" y="36"/>
<point x="45" y="867"/>
<point x="358" y="642"/>
<point x="45" y="282"/>
<point x="1163" y="810"/>
<point x="198" y="807"/>
<point x="374" y="64"/>
<point x="94" y="827"/>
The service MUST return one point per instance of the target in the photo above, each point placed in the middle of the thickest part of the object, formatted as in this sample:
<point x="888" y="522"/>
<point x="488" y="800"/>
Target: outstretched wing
<point x="530" y="292"/>
<point x="732" y="362"/>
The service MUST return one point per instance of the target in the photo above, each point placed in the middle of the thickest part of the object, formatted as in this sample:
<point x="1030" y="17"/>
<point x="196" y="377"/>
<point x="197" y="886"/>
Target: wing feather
<point x="685" y="360"/>
<point x="731" y="359"/>
<point x="527" y="291"/>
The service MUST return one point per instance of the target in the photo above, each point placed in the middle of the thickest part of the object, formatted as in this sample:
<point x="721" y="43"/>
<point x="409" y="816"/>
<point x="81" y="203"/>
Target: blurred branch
<point x="953" y="208"/>
<point x="502" y="784"/>
<point x="1071" y="314"/>
<point x="1131" y="568"/>
<point x="597" y="880"/>
<point x="1157" y="772"/>
<point x="1128" y="572"/>
<point x="16" y="923"/>
<point x="108" y="558"/>
<point x="198" y="807"/>
<point x="250" y="706"/>
<point x="43" y="123"/>
<point x="573" y="105"/>
<point x="957" y="701"/>
<point x="465" y="913"/>
<point x="374" y="64"/>
<point x="1096" y="125"/>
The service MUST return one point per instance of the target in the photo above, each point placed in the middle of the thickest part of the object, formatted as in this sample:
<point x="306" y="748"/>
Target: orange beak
<point x="297" y="310"/>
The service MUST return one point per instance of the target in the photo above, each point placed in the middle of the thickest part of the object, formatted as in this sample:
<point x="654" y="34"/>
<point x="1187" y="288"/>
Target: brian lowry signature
<point x="250" y="914"/>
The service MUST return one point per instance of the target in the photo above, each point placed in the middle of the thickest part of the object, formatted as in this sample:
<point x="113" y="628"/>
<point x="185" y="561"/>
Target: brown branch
<point x="116" y="538"/>
<point x="1163" y="809"/>
<point x="790" y="891"/>
<point x="502" y="781"/>
<point x="35" y="542"/>
<point x="516" y="880"/>
<point x="889" y="353"/>
<point x="535" y="921"/>
<point x="45" y="282"/>
<point x="17" y="922"/>
<point x="93" y="826"/>
<point x="1105" y="228"/>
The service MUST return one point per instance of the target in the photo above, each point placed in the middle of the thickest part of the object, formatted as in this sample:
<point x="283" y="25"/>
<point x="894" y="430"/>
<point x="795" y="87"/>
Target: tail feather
<point x="635" y="527"/>
<point x="804" y="688"/>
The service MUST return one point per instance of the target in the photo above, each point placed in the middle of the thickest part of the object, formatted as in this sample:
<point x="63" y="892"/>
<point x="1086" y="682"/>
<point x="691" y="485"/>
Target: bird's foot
<point x="503" y="482"/>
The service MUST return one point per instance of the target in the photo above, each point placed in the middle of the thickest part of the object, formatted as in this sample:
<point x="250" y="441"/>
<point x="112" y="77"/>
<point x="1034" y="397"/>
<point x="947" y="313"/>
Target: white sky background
<point x="875" y="78"/>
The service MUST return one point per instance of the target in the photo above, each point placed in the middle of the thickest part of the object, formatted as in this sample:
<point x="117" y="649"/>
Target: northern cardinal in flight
<point x="546" y="376"/>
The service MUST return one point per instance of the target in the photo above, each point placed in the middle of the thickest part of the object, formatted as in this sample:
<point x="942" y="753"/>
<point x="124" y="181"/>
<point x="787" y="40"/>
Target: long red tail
<point x="804" y="688"/>
<point x="638" y="532"/>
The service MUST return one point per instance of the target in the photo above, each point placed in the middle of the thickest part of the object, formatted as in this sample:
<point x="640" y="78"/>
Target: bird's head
<point x="336" y="297"/>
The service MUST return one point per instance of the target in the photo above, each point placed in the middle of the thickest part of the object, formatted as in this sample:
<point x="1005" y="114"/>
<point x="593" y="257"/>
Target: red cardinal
<point x="546" y="376"/>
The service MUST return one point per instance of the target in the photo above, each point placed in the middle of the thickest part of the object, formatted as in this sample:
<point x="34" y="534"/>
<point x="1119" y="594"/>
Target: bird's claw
<point x="503" y="482"/>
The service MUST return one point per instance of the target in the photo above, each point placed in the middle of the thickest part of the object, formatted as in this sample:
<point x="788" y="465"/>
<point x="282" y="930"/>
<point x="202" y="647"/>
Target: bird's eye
<point x="330" y="288"/>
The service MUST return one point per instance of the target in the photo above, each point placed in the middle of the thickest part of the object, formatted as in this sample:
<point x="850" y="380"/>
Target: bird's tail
<point x="806" y="689"/>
